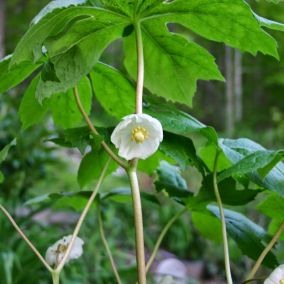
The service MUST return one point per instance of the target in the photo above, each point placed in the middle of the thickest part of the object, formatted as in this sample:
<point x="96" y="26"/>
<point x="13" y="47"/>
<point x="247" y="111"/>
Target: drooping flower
<point x="277" y="276"/>
<point x="56" y="252"/>
<point x="137" y="136"/>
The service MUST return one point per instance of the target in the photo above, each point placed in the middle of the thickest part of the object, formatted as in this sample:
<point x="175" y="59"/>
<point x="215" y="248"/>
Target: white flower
<point x="56" y="252"/>
<point x="277" y="276"/>
<point x="137" y="136"/>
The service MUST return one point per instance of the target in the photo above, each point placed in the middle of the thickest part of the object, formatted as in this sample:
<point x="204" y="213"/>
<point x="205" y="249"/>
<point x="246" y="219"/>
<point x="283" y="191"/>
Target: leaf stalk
<point x="223" y="222"/>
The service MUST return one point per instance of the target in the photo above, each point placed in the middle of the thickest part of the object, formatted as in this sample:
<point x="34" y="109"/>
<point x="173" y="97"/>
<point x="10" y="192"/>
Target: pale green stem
<point x="102" y="233"/>
<point x="223" y="222"/>
<point x="265" y="252"/>
<point x="81" y="219"/>
<point x="161" y="237"/>
<point x="94" y="130"/>
<point x="25" y="238"/>
<point x="140" y="69"/>
<point x="55" y="277"/>
<point x="138" y="220"/>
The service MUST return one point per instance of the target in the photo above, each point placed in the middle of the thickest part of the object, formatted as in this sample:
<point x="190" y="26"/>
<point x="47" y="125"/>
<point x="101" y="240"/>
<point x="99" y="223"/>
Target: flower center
<point x="61" y="248"/>
<point x="281" y="281"/>
<point x="139" y="134"/>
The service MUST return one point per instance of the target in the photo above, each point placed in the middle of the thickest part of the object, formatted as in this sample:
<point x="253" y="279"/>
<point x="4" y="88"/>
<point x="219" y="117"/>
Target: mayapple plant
<point x="61" y="53"/>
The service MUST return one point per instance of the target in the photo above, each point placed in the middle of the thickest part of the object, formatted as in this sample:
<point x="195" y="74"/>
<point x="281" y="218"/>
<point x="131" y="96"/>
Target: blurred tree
<point x="2" y="28"/>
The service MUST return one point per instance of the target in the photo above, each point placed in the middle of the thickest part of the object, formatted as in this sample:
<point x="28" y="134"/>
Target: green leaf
<point x="272" y="206"/>
<point x="79" y="137"/>
<point x="3" y="155"/>
<point x="208" y="226"/>
<point x="208" y="153"/>
<point x="11" y="77"/>
<point x="236" y="150"/>
<point x="178" y="122"/>
<point x="273" y="25"/>
<point x="77" y="62"/>
<point x="182" y="150"/>
<point x="123" y="195"/>
<point x="263" y="161"/>
<point x="114" y="92"/>
<point x="57" y="22"/>
<point x="173" y="59"/>
<point x="231" y="22"/>
<point x="151" y="164"/>
<point x="64" y="108"/>
<point x="4" y="152"/>
<point x="229" y="191"/>
<point x="48" y="72"/>
<point x="53" y="5"/>
<point x="170" y="180"/>
<point x="91" y="167"/>
<point x="31" y="112"/>
<point x="248" y="236"/>
<point x="1" y="177"/>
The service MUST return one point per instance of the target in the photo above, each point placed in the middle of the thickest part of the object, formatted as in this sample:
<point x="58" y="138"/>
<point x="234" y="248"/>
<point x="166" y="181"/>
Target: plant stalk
<point x="223" y="222"/>
<point x="26" y="239"/>
<point x="94" y="130"/>
<point x="161" y="237"/>
<point x="265" y="252"/>
<point x="140" y="69"/>
<point x="82" y="218"/>
<point x="138" y="220"/>
<point x="102" y="233"/>
<point x="55" y="278"/>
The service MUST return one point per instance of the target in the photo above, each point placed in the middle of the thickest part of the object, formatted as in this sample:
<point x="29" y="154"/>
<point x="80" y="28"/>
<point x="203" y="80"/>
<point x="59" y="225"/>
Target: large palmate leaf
<point x="52" y="28"/>
<point x="172" y="63"/>
<point x="78" y="61"/>
<point x="72" y="34"/>
<point x="227" y="21"/>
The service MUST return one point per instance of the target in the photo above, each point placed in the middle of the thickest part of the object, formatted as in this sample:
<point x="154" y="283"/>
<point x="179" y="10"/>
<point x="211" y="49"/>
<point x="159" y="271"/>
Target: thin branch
<point x="25" y="238"/>
<point x="265" y="252"/>
<point x="140" y="69"/>
<point x="223" y="222"/>
<point x="161" y="237"/>
<point x="82" y="218"/>
<point x="102" y="233"/>
<point x="94" y="130"/>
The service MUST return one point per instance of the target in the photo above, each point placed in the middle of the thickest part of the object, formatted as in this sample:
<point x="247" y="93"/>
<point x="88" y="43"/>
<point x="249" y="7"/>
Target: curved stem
<point x="138" y="219"/>
<point x="161" y="237"/>
<point x="265" y="252"/>
<point x="102" y="233"/>
<point x="140" y="69"/>
<point x="224" y="231"/>
<point x="25" y="238"/>
<point x="82" y="218"/>
<point x="55" y="277"/>
<point x="94" y="130"/>
<point x="254" y="279"/>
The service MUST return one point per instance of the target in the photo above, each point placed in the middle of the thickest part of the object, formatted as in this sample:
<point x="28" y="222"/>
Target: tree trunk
<point x="2" y="28"/>
<point x="229" y="92"/>
<point x="238" y="86"/>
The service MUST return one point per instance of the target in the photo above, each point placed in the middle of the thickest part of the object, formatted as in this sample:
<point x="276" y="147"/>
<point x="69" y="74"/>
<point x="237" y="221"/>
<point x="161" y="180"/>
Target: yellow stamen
<point x="139" y="134"/>
<point x="281" y="281"/>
